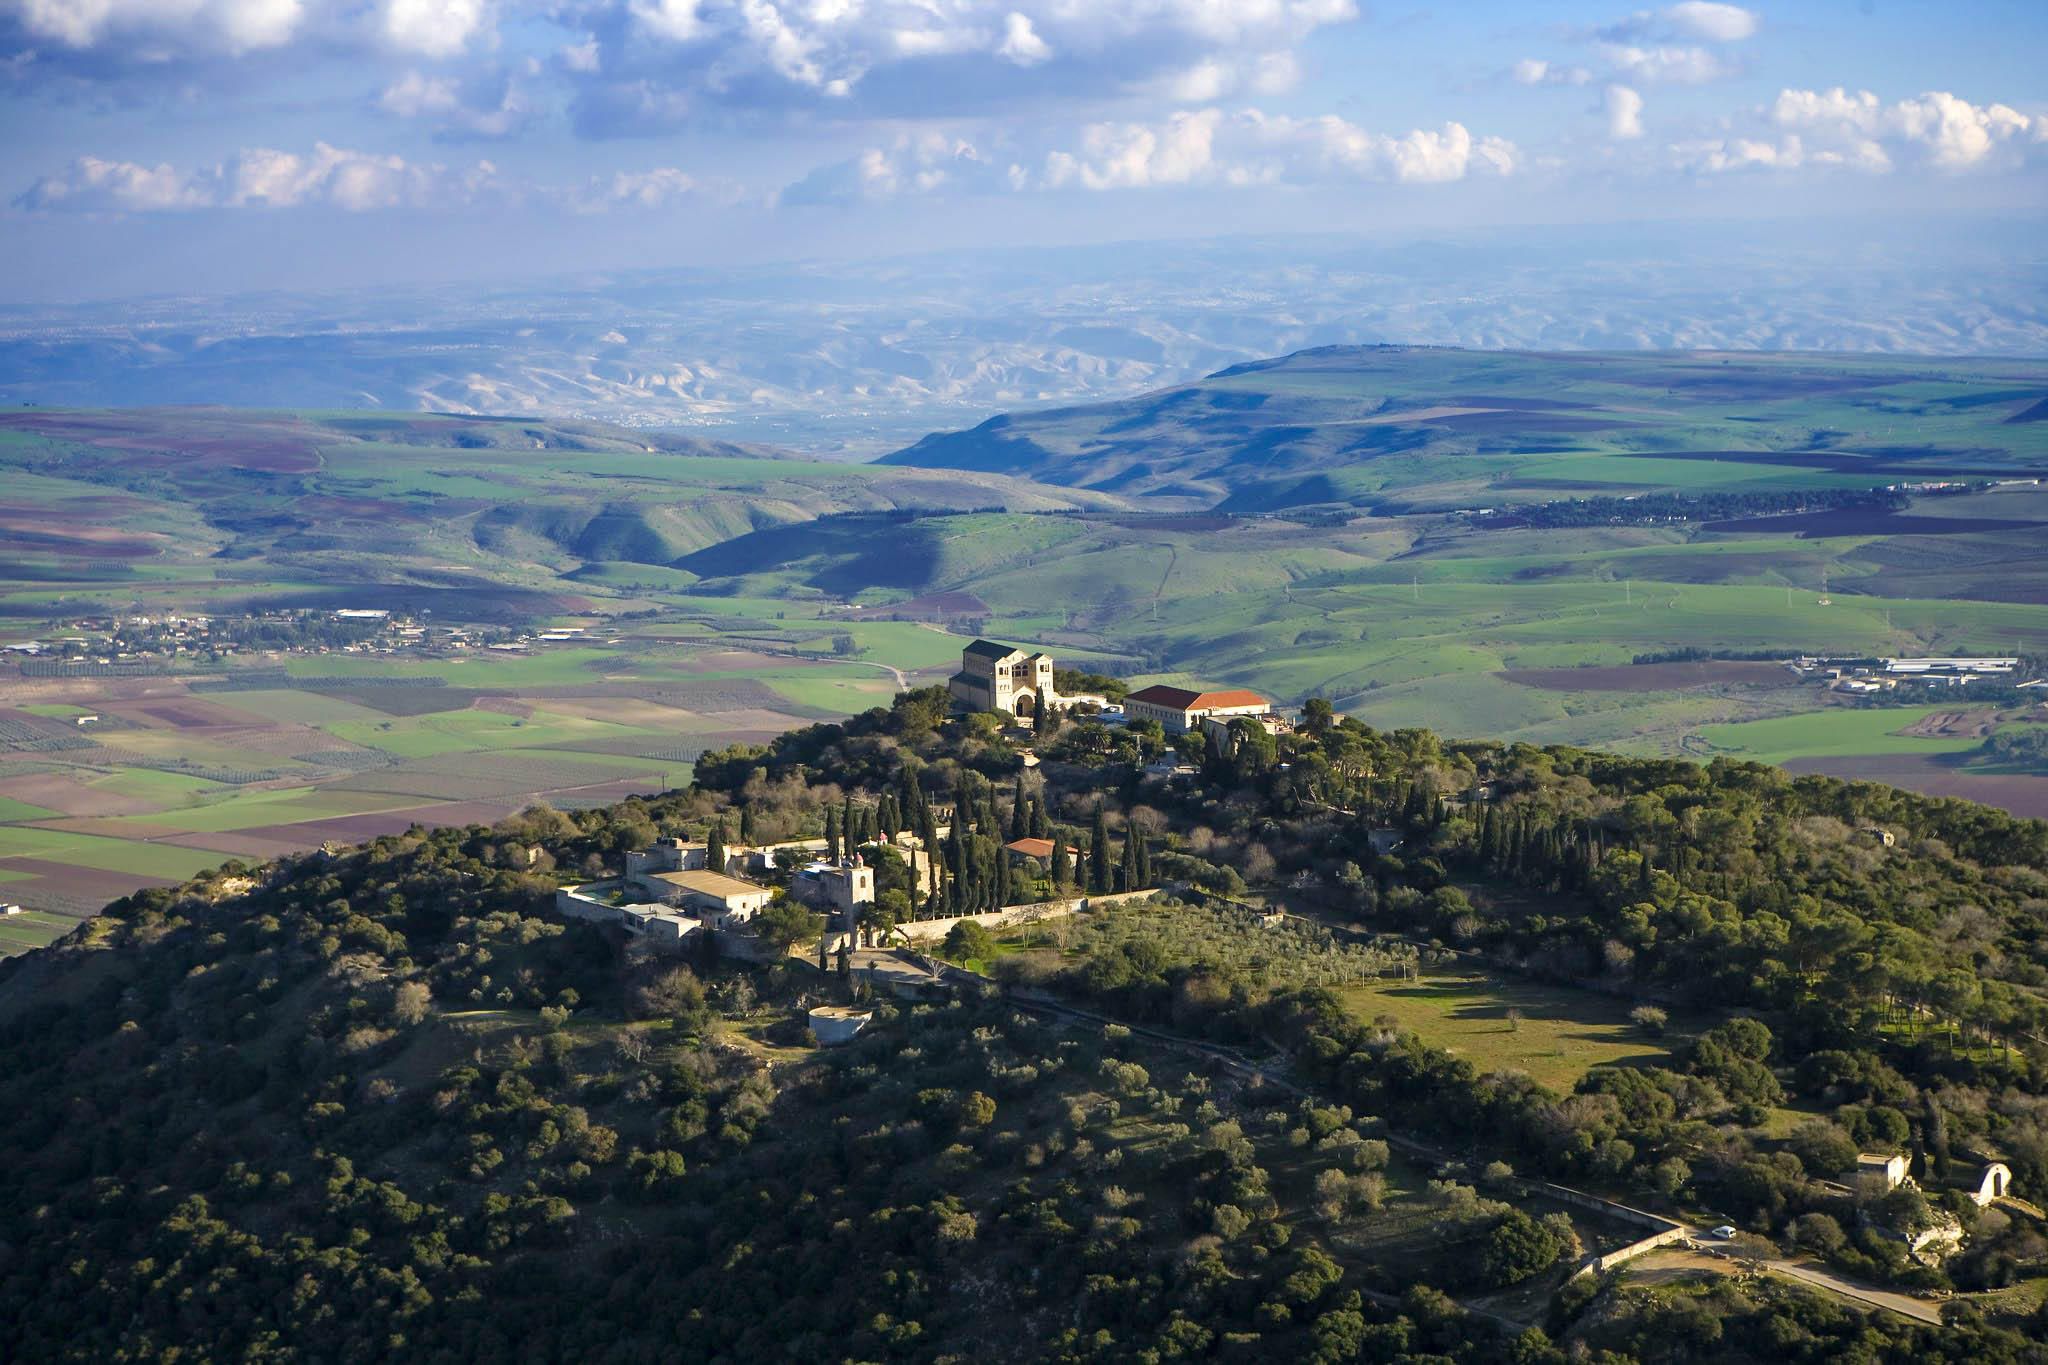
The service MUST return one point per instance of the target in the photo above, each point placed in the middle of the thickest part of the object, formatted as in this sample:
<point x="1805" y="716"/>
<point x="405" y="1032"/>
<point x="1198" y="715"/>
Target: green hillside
<point x="1420" y="428"/>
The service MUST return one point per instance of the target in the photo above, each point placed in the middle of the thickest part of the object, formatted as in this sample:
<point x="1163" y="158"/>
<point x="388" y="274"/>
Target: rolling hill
<point x="1401" y="428"/>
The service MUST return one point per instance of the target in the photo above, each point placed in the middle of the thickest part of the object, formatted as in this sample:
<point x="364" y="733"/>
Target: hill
<point x="384" y="1101"/>
<point x="482" y="517"/>
<point x="1401" y="428"/>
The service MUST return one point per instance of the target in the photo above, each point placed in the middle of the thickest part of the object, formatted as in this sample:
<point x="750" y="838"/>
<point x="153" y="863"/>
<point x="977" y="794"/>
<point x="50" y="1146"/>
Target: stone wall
<point x="932" y="930"/>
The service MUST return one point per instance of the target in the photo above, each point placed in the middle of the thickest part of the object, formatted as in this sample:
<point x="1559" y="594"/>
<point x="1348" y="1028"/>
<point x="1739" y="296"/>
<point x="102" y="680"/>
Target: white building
<point x="1179" y="710"/>
<point x="995" y="677"/>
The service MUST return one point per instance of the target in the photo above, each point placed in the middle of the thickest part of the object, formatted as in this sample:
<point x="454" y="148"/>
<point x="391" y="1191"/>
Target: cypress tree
<point x="1128" y="871"/>
<point x="1098" y="854"/>
<point x="1041" y="828"/>
<point x="747" y="825"/>
<point x="1062" y="869"/>
<point x="714" y="847"/>
<point x="831" y="835"/>
<point x="1002" y="879"/>
<point x="1144" y="857"/>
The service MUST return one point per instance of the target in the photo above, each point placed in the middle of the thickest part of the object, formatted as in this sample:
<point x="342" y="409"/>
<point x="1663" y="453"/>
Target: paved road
<point x="1813" y="1276"/>
<point x="1822" y="1278"/>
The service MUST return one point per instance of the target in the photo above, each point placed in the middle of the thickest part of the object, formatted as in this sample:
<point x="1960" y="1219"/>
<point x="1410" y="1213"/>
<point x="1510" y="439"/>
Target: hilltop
<point x="385" y="1100"/>
<point x="1405" y="428"/>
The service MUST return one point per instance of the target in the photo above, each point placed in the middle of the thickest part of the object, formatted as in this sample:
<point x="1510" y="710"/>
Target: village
<point x="893" y="877"/>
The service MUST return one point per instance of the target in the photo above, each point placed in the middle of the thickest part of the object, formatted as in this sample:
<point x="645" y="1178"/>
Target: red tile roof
<point x="1035" y="848"/>
<point x="1180" y="699"/>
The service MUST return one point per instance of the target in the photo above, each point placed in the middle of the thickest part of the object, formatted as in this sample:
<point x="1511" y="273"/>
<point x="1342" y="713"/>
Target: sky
<point x="163" y="146"/>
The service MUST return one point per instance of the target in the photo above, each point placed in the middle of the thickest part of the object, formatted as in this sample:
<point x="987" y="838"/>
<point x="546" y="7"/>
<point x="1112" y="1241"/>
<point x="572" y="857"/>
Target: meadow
<point x="1553" y="1034"/>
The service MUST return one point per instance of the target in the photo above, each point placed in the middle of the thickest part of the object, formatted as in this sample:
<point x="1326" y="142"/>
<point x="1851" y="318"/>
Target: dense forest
<point x="384" y="1102"/>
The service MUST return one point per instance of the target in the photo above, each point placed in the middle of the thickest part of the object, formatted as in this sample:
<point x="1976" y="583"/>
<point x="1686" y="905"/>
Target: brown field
<point x="68" y="796"/>
<point x="408" y="701"/>
<point x="188" y="714"/>
<point x="2023" y="794"/>
<point x="84" y="542"/>
<point x="240" y="844"/>
<point x="67" y="890"/>
<point x="505" y="706"/>
<point x="1653" y="677"/>
<point x="1953" y="725"/>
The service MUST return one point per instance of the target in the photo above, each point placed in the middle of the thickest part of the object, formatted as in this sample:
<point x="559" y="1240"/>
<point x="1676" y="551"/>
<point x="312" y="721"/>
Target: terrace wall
<point x="932" y="930"/>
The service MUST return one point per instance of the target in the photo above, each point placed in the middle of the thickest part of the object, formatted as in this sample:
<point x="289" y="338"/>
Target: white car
<point x="1725" y="1232"/>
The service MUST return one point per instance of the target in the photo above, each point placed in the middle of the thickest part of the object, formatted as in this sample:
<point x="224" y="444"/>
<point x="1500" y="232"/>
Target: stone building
<point x="995" y="677"/>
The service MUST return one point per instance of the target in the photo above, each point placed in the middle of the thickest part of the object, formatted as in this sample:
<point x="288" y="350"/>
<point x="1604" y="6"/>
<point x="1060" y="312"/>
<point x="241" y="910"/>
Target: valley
<point x="1540" y="548"/>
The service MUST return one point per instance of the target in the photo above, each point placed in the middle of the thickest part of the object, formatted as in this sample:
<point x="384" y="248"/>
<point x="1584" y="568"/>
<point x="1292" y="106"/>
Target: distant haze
<point x="854" y="359"/>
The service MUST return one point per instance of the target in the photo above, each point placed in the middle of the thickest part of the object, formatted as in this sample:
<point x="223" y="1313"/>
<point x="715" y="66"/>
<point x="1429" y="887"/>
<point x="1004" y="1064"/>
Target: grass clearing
<point x="1561" y="1033"/>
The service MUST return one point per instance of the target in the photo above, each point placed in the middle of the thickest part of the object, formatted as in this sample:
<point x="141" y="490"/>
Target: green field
<point x="1353" y="558"/>
<point x="1833" y="734"/>
<point x="1560" y="1035"/>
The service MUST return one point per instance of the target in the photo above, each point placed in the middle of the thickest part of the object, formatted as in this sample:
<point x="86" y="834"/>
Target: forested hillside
<point x="383" y="1101"/>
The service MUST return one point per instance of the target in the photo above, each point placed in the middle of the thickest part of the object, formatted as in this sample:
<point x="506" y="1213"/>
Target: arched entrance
<point x="1023" y="705"/>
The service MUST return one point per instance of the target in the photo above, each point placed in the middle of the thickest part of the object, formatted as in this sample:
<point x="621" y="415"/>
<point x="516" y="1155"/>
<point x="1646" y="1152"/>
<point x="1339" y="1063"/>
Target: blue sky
<point x="167" y="145"/>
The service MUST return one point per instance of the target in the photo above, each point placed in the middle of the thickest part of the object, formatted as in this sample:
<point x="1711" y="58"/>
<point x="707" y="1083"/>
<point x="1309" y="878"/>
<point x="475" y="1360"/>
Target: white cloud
<point x="1678" y="65"/>
<point x="90" y="185"/>
<point x="779" y="51"/>
<point x="1021" y="43"/>
<point x="261" y="177"/>
<point x="434" y="28"/>
<point x="1536" y="71"/>
<point x="1135" y="155"/>
<point x="459" y="113"/>
<point x="1624" y="113"/>
<point x="1941" y="128"/>
<point x="1713" y="22"/>
<point x="1733" y="154"/>
<point x="678" y="21"/>
<point x="922" y="163"/>
<point x="1252" y="148"/>
<point x="650" y="189"/>
<point x="229" y="26"/>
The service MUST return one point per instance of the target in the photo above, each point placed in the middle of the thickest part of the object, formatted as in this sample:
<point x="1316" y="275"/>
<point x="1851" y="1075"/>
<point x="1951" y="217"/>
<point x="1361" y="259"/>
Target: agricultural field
<point x="186" y="769"/>
<point x="1403" y="532"/>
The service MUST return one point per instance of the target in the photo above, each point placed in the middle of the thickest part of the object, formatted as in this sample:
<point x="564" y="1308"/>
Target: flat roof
<point x="716" y="885"/>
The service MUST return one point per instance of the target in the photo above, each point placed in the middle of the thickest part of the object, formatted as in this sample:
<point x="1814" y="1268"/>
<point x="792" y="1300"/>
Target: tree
<point x="1517" y="1248"/>
<point x="1062" y="866"/>
<point x="968" y="940"/>
<point x="714" y="847"/>
<point x="1649" y="1019"/>
<point x="786" y="923"/>
<point x="410" y="1003"/>
<point x="1098" y="854"/>
<point x="1317" y="716"/>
